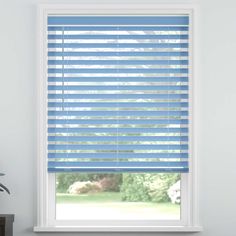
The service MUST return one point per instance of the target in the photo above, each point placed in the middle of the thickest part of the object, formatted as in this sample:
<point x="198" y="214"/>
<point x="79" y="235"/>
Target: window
<point x="115" y="98"/>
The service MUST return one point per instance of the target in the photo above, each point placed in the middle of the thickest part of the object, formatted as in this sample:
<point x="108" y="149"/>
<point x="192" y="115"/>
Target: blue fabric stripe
<point x="132" y="164"/>
<point x="119" y="170"/>
<point x="120" y="88"/>
<point x="105" y="155"/>
<point x="117" y="71"/>
<point x="120" y="113"/>
<point x="120" y="104"/>
<point x="119" y="166"/>
<point x="146" y="54"/>
<point x="116" y="138"/>
<point x="117" y="36"/>
<point x="117" y="130"/>
<point x="118" y="20"/>
<point x="117" y="62"/>
<point x="114" y="96"/>
<point x="120" y="121"/>
<point x="119" y="147"/>
<point x="118" y="45"/>
<point x="118" y="28"/>
<point x="118" y="79"/>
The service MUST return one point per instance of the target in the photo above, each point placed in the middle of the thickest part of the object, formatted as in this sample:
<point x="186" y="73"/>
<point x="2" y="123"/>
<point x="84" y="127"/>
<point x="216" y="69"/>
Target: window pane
<point x="82" y="196"/>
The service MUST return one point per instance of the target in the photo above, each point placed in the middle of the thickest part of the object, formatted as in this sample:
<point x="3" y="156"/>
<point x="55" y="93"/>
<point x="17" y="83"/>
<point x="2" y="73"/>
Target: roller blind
<point x="118" y="93"/>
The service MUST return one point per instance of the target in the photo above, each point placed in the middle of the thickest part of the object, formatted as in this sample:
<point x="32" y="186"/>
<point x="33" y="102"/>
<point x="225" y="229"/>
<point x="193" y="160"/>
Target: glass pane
<point x="84" y="196"/>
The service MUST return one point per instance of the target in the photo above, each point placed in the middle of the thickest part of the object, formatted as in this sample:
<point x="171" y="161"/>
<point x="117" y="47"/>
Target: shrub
<point x="111" y="183"/>
<point x="147" y="187"/>
<point x="84" y="187"/>
<point x="133" y="188"/>
<point x="65" y="180"/>
<point x="159" y="185"/>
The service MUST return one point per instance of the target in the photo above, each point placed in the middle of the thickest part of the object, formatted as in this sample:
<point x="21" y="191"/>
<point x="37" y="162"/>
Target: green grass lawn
<point x="113" y="199"/>
<point x="91" y="197"/>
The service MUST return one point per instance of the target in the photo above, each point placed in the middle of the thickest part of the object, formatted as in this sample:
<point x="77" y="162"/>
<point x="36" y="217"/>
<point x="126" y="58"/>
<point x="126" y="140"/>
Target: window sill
<point x="41" y="229"/>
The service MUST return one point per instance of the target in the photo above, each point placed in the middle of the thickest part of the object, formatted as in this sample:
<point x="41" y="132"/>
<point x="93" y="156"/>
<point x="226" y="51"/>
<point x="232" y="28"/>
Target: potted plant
<point x="3" y="187"/>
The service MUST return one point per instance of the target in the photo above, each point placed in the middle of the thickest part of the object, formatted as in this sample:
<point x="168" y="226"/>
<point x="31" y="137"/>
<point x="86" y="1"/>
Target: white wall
<point x="215" y="111"/>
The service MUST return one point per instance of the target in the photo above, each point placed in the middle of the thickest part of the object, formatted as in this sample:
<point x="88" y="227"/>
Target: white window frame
<point x="46" y="182"/>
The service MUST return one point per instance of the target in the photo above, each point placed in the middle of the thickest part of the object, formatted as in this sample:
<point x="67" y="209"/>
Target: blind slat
<point x="118" y="53"/>
<point x="182" y="166"/>
<point x="120" y="45"/>
<point x="117" y="36"/>
<point x="113" y="96"/>
<point x="118" y="28"/>
<point x="118" y="113"/>
<point x="118" y="20"/>
<point x="120" y="79"/>
<point x="104" y="155"/>
<point x="120" y="121"/>
<point x="117" y="62"/>
<point x="116" y="138"/>
<point x="121" y="104"/>
<point x="120" y="88"/>
<point x="117" y="130"/>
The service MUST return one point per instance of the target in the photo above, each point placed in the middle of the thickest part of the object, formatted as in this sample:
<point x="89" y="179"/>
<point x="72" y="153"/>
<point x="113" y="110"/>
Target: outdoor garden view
<point x="118" y="196"/>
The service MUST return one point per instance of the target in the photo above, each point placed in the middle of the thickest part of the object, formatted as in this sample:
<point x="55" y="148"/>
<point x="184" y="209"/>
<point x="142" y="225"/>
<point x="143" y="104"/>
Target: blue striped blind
<point x="118" y="93"/>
